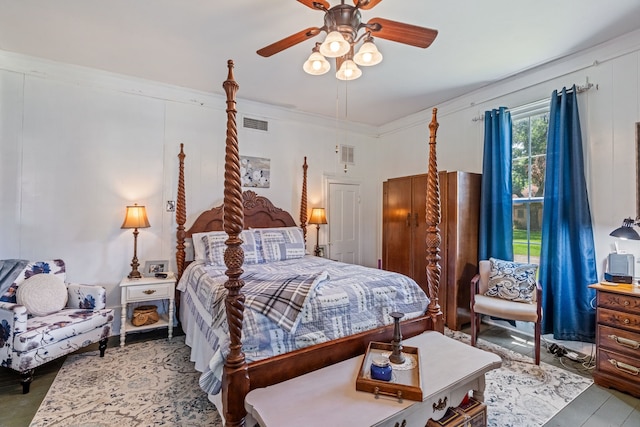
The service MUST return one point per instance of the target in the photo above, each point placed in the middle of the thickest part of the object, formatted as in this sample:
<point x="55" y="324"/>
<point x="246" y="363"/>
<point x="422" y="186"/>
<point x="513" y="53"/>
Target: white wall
<point x="608" y="113"/>
<point x="79" y="145"/>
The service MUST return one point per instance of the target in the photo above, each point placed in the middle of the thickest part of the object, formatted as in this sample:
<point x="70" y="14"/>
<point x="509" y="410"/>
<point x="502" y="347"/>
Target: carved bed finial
<point x="303" y="200"/>
<point x="433" y="238"/>
<point x="236" y="376"/>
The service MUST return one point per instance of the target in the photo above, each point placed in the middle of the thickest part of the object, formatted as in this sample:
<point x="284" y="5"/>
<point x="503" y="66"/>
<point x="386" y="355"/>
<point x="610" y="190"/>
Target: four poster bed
<point x="256" y="310"/>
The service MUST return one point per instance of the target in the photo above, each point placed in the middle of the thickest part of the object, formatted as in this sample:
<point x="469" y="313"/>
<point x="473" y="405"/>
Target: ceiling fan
<point x="343" y="23"/>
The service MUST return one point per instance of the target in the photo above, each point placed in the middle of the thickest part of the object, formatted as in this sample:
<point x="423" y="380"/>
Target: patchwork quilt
<point x="293" y="304"/>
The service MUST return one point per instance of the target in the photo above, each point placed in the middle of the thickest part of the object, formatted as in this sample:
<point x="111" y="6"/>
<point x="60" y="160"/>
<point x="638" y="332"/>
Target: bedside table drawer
<point x="618" y="340"/>
<point x="618" y="365"/>
<point x="618" y="319"/>
<point x="619" y="302"/>
<point x="147" y="292"/>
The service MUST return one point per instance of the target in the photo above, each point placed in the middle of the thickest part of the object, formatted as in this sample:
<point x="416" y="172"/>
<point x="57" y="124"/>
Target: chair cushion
<point x="505" y="309"/>
<point x="512" y="281"/>
<point x="42" y="294"/>
<point x="59" y="326"/>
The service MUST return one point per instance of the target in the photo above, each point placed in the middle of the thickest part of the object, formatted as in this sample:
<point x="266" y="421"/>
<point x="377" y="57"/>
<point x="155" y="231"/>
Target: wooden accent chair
<point x="503" y="308"/>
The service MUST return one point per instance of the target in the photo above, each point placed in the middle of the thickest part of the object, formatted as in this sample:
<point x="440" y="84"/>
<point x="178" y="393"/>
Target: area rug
<point x="150" y="383"/>
<point x="521" y="394"/>
<point x="154" y="383"/>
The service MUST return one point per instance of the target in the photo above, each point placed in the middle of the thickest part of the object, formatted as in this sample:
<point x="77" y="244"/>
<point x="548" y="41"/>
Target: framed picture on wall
<point x="151" y="268"/>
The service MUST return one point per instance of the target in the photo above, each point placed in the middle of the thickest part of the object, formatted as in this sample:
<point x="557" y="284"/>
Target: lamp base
<point x="135" y="274"/>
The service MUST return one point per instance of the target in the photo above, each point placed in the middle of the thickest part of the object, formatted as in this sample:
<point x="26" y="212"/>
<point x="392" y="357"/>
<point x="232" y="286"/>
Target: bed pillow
<point x="512" y="281"/>
<point x="281" y="243"/>
<point x="42" y="294"/>
<point x="214" y="247"/>
<point x="199" y="253"/>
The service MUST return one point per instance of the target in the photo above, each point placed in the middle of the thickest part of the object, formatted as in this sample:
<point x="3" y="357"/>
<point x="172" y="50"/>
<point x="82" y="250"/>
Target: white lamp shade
<point x="334" y="45"/>
<point x="367" y="55"/>
<point x="316" y="64"/>
<point x="348" y="71"/>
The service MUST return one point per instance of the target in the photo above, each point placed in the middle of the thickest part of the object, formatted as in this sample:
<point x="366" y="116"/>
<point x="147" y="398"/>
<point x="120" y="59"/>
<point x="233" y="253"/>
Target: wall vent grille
<point x="255" y="124"/>
<point x="347" y="155"/>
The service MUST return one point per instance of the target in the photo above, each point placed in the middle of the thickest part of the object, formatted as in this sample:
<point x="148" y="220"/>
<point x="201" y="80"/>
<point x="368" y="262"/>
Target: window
<point x="529" y="124"/>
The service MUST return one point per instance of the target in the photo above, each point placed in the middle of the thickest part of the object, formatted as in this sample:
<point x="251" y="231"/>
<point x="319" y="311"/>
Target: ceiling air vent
<point x="255" y="124"/>
<point x="346" y="154"/>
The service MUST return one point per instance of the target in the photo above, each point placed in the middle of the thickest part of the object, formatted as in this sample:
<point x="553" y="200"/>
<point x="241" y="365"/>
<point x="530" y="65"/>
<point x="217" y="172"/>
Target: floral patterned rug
<point x="521" y="394"/>
<point x="150" y="383"/>
<point x="153" y="383"/>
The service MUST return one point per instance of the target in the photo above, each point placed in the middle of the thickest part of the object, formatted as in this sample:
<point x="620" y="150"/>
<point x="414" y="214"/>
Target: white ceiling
<point x="187" y="43"/>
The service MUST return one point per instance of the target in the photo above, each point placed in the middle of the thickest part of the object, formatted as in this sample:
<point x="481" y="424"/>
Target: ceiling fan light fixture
<point x="348" y="71"/>
<point x="368" y="55"/>
<point x="316" y="64"/>
<point x="334" y="45"/>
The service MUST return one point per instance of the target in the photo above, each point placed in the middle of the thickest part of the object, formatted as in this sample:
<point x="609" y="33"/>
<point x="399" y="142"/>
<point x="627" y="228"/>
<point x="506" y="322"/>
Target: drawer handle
<point x="625" y="342"/>
<point x="149" y="291"/>
<point x="626" y="321"/>
<point x="624" y="367"/>
<point x="442" y="404"/>
<point x="404" y="424"/>
<point x="626" y="302"/>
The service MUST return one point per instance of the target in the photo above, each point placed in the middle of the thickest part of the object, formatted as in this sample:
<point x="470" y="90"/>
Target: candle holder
<point x="396" y="353"/>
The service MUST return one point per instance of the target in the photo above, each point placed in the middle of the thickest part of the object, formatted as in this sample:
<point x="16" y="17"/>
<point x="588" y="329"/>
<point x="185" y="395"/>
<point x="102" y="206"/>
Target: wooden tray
<point x="404" y="384"/>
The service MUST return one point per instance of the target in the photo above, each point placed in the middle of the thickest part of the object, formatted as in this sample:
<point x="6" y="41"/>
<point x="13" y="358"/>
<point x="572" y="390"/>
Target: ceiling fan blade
<point x="316" y="4"/>
<point x="287" y="42"/>
<point x="365" y="4"/>
<point x="402" y="33"/>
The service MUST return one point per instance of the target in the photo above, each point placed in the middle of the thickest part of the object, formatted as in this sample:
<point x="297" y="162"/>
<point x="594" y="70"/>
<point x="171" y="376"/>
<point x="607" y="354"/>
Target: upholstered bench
<point x="42" y="317"/>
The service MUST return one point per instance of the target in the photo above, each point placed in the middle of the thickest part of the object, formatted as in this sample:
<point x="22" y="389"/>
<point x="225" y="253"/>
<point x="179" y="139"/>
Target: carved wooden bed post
<point x="181" y="217"/>
<point x="433" y="231"/>
<point x="235" y="373"/>
<point x="303" y="200"/>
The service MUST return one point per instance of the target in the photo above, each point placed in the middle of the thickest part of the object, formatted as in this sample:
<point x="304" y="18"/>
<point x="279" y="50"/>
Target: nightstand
<point x="147" y="289"/>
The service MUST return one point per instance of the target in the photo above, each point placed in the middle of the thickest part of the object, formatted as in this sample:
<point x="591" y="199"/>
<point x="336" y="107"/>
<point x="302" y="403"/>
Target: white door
<point x="344" y="222"/>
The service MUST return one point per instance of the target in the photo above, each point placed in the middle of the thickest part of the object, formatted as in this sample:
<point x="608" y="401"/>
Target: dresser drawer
<point x="620" y="341"/>
<point x="618" y="319"/>
<point x="619" y="365"/>
<point x="149" y="292"/>
<point x="619" y="302"/>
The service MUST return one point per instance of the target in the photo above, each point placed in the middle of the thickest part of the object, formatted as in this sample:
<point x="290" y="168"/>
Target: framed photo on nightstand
<point x="322" y="251"/>
<point x="151" y="268"/>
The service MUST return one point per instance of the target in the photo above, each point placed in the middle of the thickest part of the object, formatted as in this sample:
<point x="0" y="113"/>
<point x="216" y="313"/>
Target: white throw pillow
<point x="42" y="294"/>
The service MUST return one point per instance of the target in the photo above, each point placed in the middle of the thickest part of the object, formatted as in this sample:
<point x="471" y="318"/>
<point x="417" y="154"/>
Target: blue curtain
<point x="567" y="255"/>
<point x="496" y="218"/>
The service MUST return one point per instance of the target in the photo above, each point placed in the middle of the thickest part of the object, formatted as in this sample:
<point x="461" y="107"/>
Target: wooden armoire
<point x="404" y="236"/>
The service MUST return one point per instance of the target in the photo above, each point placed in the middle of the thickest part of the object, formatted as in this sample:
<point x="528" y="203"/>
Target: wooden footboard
<point x="238" y="376"/>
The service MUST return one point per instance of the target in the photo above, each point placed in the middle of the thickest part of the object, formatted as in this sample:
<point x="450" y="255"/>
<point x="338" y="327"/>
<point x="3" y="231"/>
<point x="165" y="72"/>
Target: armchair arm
<point x="13" y="320"/>
<point x="475" y="288"/>
<point x="86" y="296"/>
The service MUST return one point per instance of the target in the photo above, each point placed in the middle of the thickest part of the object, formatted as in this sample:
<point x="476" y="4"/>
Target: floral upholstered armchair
<point x="42" y="317"/>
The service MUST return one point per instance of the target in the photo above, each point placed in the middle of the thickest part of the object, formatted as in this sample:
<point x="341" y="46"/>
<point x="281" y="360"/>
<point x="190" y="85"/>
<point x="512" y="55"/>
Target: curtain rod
<point x="579" y="89"/>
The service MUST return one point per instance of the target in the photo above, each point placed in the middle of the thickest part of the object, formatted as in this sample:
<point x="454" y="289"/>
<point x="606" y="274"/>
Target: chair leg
<point x="538" y="329"/>
<point x="474" y="328"/>
<point x="26" y="378"/>
<point x="103" y="346"/>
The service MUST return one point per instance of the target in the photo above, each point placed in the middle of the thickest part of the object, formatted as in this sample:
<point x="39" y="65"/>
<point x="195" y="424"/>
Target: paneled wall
<point x="79" y="145"/>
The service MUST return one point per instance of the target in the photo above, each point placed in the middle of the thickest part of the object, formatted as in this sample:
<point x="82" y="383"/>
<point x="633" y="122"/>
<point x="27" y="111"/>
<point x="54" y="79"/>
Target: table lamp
<point x="317" y="217"/>
<point x="626" y="231"/>
<point x="136" y="217"/>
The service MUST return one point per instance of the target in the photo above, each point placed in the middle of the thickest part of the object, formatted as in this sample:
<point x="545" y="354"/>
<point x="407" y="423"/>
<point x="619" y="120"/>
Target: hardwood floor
<point x="596" y="407"/>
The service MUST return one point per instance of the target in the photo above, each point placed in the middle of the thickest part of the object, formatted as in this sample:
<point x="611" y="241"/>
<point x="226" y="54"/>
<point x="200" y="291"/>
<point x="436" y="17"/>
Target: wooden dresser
<point x="618" y="337"/>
